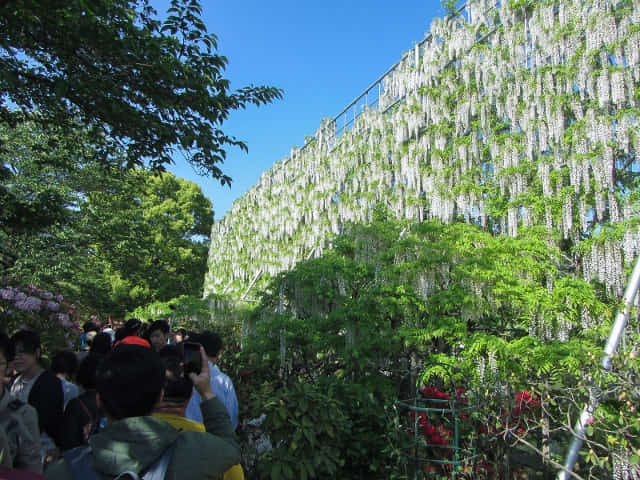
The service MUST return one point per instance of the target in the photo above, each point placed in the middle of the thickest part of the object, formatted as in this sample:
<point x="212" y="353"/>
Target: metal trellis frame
<point x="447" y="411"/>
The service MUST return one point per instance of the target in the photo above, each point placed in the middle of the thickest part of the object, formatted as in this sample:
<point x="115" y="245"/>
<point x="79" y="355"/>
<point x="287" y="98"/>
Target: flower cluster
<point x="525" y="401"/>
<point x="434" y="393"/>
<point x="57" y="321"/>
<point x="31" y="298"/>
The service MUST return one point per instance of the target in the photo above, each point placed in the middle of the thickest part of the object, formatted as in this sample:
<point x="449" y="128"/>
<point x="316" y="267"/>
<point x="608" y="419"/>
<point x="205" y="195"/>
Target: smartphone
<point x="192" y="358"/>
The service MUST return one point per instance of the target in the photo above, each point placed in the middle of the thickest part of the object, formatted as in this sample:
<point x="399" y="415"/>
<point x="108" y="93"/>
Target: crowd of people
<point x="140" y="401"/>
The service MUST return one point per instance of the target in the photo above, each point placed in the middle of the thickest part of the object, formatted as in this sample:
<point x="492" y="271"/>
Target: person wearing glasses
<point x="19" y="421"/>
<point x="39" y="388"/>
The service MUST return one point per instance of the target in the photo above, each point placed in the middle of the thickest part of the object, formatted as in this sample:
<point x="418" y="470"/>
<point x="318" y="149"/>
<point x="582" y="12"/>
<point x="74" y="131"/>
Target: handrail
<point x="378" y="82"/>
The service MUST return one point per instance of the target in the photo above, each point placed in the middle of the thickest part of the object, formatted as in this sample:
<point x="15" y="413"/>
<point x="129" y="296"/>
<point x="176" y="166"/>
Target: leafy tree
<point x="111" y="237"/>
<point x="149" y="234"/>
<point x="146" y="86"/>
<point x="43" y="177"/>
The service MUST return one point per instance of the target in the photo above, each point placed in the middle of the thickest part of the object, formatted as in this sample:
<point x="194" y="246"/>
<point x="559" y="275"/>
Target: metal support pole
<point x="610" y="349"/>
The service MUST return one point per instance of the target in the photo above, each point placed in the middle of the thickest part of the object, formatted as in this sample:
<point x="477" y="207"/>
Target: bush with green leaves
<point x="331" y="429"/>
<point x="512" y="314"/>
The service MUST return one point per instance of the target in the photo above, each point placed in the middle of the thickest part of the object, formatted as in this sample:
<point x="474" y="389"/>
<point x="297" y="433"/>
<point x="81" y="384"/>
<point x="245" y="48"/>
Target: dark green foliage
<point x="134" y="82"/>
<point x="332" y="429"/>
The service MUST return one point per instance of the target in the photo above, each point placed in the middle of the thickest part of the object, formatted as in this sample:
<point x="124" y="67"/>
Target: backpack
<point x="92" y="426"/>
<point x="81" y="464"/>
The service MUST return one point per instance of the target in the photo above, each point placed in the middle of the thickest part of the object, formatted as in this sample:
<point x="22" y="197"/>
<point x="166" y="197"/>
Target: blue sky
<point x="322" y="54"/>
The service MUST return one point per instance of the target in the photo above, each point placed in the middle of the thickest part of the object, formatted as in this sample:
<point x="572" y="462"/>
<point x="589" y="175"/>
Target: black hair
<point x="89" y="327"/>
<point x="182" y="331"/>
<point x="133" y="326"/>
<point x="177" y="387"/>
<point x="29" y="340"/>
<point x="88" y="339"/>
<point x="65" y="362"/>
<point x="101" y="344"/>
<point x="211" y="342"/>
<point x="161" y="325"/>
<point x="86" y="376"/>
<point x="121" y="333"/>
<point x="6" y="347"/>
<point x="129" y="381"/>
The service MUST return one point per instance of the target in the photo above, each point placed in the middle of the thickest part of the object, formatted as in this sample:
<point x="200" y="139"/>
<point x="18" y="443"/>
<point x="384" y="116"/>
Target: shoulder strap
<point x="79" y="461"/>
<point x="158" y="469"/>
<point x="93" y="421"/>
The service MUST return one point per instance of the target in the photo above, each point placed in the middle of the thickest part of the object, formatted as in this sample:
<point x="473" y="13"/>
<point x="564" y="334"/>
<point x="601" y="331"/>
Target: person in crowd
<point x="101" y="344"/>
<point x="86" y="345"/>
<point x="119" y="335"/>
<point x="89" y="326"/>
<point x="179" y="336"/>
<point x="133" y="327"/>
<point x="177" y="392"/>
<point x="130" y="383"/>
<point x="220" y="383"/>
<point x="39" y="388"/>
<point x="82" y="416"/>
<point x="18" y="421"/>
<point x="133" y="340"/>
<point x="108" y="329"/>
<point x="159" y="334"/>
<point x="64" y="366"/>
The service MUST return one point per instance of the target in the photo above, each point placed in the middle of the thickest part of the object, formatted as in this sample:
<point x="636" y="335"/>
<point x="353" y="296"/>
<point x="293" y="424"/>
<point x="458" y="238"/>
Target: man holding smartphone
<point x="130" y="383"/>
<point x="221" y="384"/>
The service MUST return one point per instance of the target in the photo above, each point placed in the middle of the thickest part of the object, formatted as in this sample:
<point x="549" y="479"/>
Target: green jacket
<point x="132" y="444"/>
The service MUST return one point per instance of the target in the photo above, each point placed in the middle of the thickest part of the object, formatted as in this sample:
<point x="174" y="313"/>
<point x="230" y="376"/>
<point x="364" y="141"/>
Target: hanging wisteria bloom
<point x="563" y="122"/>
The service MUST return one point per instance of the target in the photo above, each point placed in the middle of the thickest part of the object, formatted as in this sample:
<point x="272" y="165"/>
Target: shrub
<point x="56" y="320"/>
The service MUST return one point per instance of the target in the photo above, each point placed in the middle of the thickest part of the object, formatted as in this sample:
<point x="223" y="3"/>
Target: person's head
<point x="89" y="327"/>
<point x="211" y="342"/>
<point x="6" y="355"/>
<point x="120" y="334"/>
<point x="64" y="364"/>
<point x="177" y="386"/>
<point x="88" y="340"/>
<point x="86" y="376"/>
<point x="158" y="334"/>
<point x="180" y="335"/>
<point x="27" y="351"/>
<point x="133" y="326"/>
<point x="101" y="344"/>
<point x="130" y="381"/>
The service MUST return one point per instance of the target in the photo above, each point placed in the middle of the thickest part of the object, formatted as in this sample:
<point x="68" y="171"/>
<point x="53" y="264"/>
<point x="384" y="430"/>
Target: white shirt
<point x="21" y="388"/>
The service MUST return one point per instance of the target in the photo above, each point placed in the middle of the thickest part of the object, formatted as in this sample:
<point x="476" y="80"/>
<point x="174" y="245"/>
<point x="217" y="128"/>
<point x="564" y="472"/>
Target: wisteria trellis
<point x="517" y="113"/>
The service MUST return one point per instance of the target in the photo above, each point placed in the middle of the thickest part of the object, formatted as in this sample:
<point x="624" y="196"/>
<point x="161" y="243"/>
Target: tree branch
<point x="551" y="461"/>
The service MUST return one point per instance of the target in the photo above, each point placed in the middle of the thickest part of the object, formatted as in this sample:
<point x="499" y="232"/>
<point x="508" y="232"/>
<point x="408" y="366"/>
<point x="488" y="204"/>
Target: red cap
<point x="133" y="340"/>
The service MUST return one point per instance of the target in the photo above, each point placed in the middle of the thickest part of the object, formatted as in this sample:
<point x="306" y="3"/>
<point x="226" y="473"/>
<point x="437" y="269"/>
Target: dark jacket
<point x="133" y="444"/>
